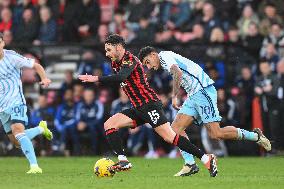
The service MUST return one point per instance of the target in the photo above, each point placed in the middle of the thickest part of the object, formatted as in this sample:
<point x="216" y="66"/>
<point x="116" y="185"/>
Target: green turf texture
<point x="239" y="173"/>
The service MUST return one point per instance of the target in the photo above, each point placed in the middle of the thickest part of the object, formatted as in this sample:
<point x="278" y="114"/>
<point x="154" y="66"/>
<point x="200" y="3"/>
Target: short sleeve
<point x="20" y="61"/>
<point x="167" y="60"/>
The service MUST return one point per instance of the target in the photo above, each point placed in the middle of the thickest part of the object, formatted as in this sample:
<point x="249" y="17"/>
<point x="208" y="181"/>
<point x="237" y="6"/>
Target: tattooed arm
<point x="177" y="77"/>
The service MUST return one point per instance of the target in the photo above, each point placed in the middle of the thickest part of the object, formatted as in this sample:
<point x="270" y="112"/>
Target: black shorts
<point x="151" y="113"/>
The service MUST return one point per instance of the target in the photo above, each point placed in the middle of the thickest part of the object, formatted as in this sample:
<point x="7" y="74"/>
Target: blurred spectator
<point x="65" y="124"/>
<point x="216" y="52"/>
<point x="208" y="19"/>
<point x="102" y="34"/>
<point x="175" y="13"/>
<point x="67" y="83"/>
<point x="128" y="35"/>
<point x="69" y="18"/>
<point x="222" y="104"/>
<point x="271" y="56"/>
<point x="245" y="83"/>
<point x="216" y="71"/>
<point x="270" y="17"/>
<point x="88" y="19"/>
<point x="195" y="37"/>
<point x="226" y="12"/>
<point x="78" y="90"/>
<point x="89" y="116"/>
<point x="235" y="106"/>
<point x="45" y="113"/>
<point x="5" y="4"/>
<point x="27" y="30"/>
<point x="237" y="57"/>
<point x="87" y="65"/>
<point x="248" y="16"/>
<point x="277" y="108"/>
<point x="263" y="88"/>
<point x="145" y="33"/>
<point x="51" y="4"/>
<point x="253" y="41"/>
<point x="136" y="9"/>
<point x="234" y="36"/>
<point x="8" y="38"/>
<point x="163" y="36"/>
<point x="197" y="9"/>
<point x="217" y="36"/>
<point x="121" y="103"/>
<point x="119" y="22"/>
<point x="276" y="37"/>
<point x="48" y="29"/>
<point x="19" y="8"/>
<point x="6" y="19"/>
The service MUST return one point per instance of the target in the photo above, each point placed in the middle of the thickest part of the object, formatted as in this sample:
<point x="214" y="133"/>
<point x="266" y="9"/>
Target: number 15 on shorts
<point x="154" y="115"/>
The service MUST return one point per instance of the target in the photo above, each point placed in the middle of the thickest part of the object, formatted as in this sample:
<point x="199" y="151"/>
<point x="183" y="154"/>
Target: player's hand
<point x="88" y="78"/>
<point x="175" y="103"/>
<point x="45" y="82"/>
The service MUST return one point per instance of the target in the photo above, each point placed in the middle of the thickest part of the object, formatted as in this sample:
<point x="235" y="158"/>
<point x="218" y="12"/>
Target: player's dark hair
<point x="1" y="35"/>
<point x="145" y="51"/>
<point x="115" y="39"/>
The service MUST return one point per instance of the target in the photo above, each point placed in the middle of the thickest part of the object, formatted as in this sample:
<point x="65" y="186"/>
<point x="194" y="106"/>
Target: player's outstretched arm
<point x="88" y="78"/>
<point x="45" y="81"/>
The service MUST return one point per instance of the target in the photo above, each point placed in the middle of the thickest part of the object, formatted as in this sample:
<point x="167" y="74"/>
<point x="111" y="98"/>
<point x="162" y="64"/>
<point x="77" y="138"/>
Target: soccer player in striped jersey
<point x="147" y="107"/>
<point x="13" y="109"/>
<point x="201" y="104"/>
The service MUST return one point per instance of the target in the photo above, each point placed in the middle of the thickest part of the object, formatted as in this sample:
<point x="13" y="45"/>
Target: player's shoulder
<point x="168" y="53"/>
<point x="11" y="52"/>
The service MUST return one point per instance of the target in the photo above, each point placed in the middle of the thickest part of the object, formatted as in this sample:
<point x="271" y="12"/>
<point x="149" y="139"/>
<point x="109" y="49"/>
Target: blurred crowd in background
<point x="239" y="43"/>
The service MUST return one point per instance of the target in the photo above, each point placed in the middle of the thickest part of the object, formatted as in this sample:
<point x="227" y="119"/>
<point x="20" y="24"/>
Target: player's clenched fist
<point x="45" y="82"/>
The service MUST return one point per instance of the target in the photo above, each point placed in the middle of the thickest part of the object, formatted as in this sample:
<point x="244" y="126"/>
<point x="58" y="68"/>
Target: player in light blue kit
<point x="13" y="109"/>
<point x="200" y="105"/>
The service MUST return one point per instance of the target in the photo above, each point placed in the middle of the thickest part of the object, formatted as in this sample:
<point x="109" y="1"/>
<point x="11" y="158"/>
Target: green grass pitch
<point x="77" y="173"/>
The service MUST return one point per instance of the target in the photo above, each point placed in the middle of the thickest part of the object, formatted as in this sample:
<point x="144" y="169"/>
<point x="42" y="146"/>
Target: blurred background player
<point x="13" y="108"/>
<point x="147" y="106"/>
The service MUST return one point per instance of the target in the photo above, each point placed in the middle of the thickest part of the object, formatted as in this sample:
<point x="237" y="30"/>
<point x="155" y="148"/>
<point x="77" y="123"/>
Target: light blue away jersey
<point x="193" y="77"/>
<point x="11" y="90"/>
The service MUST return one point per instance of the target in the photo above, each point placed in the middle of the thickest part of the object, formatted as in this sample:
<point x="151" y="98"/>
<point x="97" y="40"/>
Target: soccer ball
<point x="101" y="168"/>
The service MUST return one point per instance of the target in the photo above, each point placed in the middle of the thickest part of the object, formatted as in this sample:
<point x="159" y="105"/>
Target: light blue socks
<point x="33" y="132"/>
<point x="188" y="158"/>
<point x="247" y="135"/>
<point x="27" y="148"/>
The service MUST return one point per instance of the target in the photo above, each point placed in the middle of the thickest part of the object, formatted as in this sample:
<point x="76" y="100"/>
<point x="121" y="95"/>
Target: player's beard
<point x="115" y="58"/>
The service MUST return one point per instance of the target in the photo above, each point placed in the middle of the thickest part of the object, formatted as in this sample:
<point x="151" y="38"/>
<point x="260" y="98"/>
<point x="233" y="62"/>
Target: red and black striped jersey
<point x="135" y="85"/>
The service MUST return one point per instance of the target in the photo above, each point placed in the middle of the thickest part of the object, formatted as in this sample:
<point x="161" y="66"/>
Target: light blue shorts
<point x="15" y="114"/>
<point x="202" y="106"/>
